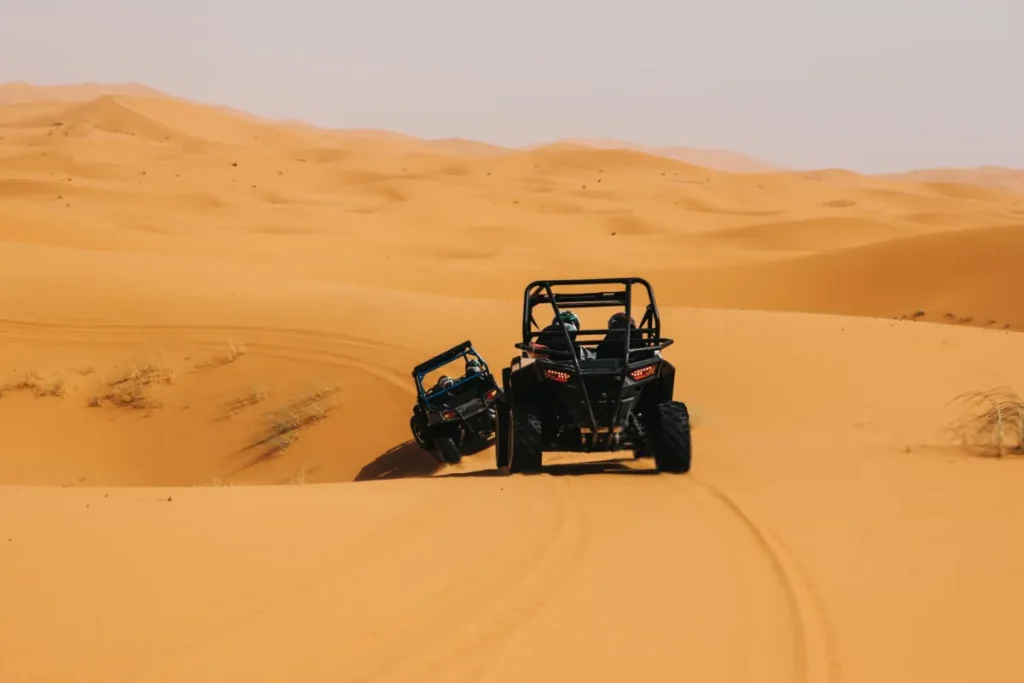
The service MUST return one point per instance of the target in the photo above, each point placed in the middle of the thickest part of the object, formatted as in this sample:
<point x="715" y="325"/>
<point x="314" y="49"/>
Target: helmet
<point x="444" y="382"/>
<point x="619" y="320"/>
<point x="473" y="366"/>
<point x="568" y="318"/>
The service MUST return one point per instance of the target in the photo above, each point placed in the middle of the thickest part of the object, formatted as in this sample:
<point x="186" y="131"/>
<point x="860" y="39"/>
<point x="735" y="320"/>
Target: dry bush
<point x="277" y="445"/>
<point x="216" y="481"/>
<point x="995" y="421"/>
<point x="30" y="381"/>
<point x="299" y="478"/>
<point x="54" y="388"/>
<point x="283" y="424"/>
<point x="234" y="352"/>
<point x="236" y="405"/>
<point x="131" y="387"/>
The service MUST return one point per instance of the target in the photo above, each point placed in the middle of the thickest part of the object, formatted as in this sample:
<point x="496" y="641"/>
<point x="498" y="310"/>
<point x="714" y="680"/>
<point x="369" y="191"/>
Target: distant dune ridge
<point x="202" y="311"/>
<point x="718" y="159"/>
<point x="20" y="92"/>
<point x="997" y="177"/>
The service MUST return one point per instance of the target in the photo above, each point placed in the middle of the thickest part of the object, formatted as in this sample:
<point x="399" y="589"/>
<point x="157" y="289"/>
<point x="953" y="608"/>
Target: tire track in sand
<point x="41" y="330"/>
<point x="160" y="645"/>
<point x="811" y="639"/>
<point x="789" y="638"/>
<point x="501" y="601"/>
<point x="301" y="351"/>
<point x="438" y="630"/>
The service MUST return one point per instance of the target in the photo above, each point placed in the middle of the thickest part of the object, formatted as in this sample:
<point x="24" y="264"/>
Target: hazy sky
<point x="872" y="85"/>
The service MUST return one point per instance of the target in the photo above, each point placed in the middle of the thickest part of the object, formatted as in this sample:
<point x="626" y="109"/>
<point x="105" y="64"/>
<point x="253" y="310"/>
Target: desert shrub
<point x="994" y="421"/>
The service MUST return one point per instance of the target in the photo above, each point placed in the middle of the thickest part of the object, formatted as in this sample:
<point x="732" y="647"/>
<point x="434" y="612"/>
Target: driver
<point x="553" y="337"/>
<point x="473" y="367"/>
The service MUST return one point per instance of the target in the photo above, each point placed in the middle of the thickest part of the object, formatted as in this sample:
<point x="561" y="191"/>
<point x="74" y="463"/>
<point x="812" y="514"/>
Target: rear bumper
<point x="478" y="417"/>
<point x="610" y="399"/>
<point x="482" y="422"/>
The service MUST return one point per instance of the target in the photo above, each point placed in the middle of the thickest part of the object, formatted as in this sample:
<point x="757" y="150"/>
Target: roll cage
<point x="647" y="332"/>
<point x="427" y="397"/>
<point x="539" y="292"/>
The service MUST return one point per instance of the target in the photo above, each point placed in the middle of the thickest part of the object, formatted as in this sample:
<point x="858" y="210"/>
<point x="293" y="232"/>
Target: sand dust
<point x="176" y="275"/>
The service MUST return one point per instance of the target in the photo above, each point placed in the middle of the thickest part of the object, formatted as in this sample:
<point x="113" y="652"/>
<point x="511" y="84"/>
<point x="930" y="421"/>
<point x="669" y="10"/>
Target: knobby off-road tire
<point x="422" y="440"/>
<point x="672" y="445"/>
<point x="448" y="450"/>
<point x="527" y="442"/>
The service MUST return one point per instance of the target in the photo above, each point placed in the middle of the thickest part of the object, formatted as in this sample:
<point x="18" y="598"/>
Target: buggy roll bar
<point x="540" y="292"/>
<point x="442" y="359"/>
<point x="575" y="359"/>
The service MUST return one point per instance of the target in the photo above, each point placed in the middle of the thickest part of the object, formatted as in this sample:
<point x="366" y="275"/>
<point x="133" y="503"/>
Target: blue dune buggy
<point x="459" y="408"/>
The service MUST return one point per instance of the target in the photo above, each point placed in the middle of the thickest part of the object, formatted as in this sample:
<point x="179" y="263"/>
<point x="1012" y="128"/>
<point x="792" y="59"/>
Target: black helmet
<point x="619" y="320"/>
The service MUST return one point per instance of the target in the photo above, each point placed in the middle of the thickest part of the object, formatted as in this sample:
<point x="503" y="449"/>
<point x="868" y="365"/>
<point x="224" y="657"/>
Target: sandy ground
<point x="173" y="274"/>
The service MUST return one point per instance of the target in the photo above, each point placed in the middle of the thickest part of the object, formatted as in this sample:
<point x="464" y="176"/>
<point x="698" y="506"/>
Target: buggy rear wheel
<point x="422" y="440"/>
<point x="448" y="450"/>
<point x="527" y="447"/>
<point x="672" y="444"/>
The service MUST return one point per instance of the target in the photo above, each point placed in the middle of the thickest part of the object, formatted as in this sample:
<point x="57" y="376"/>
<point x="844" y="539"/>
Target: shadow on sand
<point x="618" y="466"/>
<point x="408" y="460"/>
<point x="400" y="462"/>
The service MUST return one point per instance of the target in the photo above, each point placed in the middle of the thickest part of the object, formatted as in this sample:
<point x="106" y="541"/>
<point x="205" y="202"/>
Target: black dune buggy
<point x="591" y="390"/>
<point x="445" y="420"/>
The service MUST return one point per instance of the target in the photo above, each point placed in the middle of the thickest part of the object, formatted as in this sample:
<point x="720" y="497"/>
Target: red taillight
<point x="557" y="375"/>
<point x="643" y="373"/>
<point x="449" y="414"/>
<point x="491" y="394"/>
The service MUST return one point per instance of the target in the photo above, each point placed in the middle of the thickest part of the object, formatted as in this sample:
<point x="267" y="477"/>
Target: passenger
<point x="443" y="382"/>
<point x="614" y="343"/>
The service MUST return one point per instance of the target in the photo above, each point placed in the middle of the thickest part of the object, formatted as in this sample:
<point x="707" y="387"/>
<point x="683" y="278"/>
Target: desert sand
<point x="175" y="274"/>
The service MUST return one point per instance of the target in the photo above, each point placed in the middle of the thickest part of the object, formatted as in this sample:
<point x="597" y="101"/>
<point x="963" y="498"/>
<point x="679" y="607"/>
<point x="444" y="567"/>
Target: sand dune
<point x="468" y="147"/>
<point x="718" y="159"/>
<point x="21" y="92"/>
<point x="1009" y="179"/>
<point x="961" y="276"/>
<point x="195" y="305"/>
